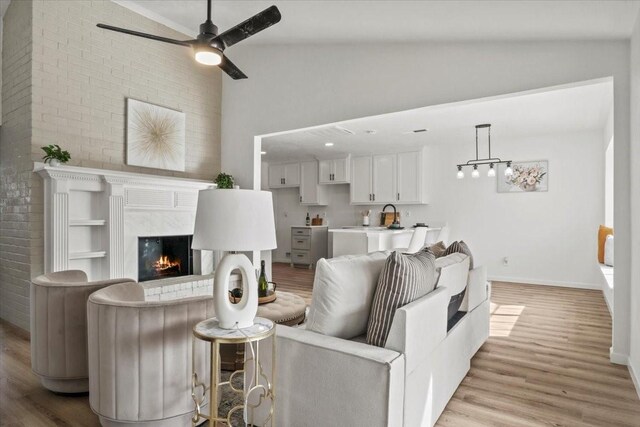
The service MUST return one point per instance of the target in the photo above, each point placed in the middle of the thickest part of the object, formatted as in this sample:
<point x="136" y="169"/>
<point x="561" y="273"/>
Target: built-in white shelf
<point x="86" y="210"/>
<point x="84" y="222"/>
<point x="87" y="255"/>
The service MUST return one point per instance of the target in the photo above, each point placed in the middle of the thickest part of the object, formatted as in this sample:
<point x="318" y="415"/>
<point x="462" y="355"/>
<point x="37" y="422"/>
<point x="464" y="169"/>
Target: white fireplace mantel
<point x="93" y="217"/>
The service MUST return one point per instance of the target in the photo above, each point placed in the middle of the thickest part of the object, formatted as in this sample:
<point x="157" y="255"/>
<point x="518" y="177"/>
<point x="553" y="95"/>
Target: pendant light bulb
<point x="508" y="172"/>
<point x="492" y="171"/>
<point x="460" y="174"/>
<point x="475" y="173"/>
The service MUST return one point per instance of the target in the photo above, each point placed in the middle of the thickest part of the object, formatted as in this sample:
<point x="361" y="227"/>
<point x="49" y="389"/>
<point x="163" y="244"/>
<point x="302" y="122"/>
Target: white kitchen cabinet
<point x="361" y="180"/>
<point x="335" y="171"/>
<point x="310" y="192"/>
<point x="388" y="178"/>
<point x="284" y="175"/>
<point x="384" y="178"/>
<point x="292" y="174"/>
<point x="341" y="170"/>
<point x="409" y="182"/>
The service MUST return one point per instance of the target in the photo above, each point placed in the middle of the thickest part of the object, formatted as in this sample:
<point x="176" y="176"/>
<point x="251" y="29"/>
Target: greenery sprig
<point x="224" y="180"/>
<point x="55" y="152"/>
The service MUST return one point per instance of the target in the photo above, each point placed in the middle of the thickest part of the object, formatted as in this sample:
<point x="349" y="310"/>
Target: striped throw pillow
<point x="404" y="278"/>
<point x="462" y="248"/>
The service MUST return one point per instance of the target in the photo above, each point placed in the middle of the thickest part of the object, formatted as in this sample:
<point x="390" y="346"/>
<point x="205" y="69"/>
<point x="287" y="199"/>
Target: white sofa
<point x="326" y="380"/>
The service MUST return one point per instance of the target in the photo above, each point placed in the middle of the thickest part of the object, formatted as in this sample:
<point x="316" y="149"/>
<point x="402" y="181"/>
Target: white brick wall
<point x="77" y="78"/>
<point x="15" y="165"/>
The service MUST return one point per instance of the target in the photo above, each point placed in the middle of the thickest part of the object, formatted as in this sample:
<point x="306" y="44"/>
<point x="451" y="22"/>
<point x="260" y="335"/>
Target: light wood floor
<point x="545" y="364"/>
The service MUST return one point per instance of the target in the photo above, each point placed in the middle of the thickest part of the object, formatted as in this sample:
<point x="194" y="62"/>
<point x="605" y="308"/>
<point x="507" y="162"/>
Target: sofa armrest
<point x="323" y="380"/>
<point x="477" y="291"/>
<point x="419" y="327"/>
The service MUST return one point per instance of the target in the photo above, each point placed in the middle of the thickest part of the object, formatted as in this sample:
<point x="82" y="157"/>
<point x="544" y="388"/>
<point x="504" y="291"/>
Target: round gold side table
<point x="210" y="331"/>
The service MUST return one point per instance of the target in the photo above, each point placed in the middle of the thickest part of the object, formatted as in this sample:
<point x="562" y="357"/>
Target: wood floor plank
<point x="546" y="363"/>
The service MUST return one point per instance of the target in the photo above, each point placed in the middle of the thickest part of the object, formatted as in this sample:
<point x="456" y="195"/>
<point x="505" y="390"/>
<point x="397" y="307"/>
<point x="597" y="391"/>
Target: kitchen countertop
<point x="309" y="226"/>
<point x="377" y="230"/>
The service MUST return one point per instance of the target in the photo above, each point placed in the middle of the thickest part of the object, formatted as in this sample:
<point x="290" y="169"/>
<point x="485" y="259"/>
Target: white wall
<point x="295" y="86"/>
<point x="549" y="237"/>
<point x="634" y="358"/>
<point x="609" y="169"/>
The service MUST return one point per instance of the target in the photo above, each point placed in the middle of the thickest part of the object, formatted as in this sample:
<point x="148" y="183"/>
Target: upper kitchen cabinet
<point x="335" y="171"/>
<point x="389" y="178"/>
<point x="310" y="192"/>
<point x="384" y="178"/>
<point x="284" y="175"/>
<point x="410" y="179"/>
<point x="361" y="189"/>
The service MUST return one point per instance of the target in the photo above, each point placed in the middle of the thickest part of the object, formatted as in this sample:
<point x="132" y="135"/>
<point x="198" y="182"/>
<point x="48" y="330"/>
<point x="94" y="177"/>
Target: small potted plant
<point x="54" y="155"/>
<point x="224" y="180"/>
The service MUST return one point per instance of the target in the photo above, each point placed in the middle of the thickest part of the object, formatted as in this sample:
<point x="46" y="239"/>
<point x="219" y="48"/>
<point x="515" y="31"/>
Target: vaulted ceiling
<point x="375" y="21"/>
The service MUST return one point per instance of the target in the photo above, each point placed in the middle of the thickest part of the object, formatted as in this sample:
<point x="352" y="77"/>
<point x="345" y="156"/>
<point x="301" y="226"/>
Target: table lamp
<point x="234" y="220"/>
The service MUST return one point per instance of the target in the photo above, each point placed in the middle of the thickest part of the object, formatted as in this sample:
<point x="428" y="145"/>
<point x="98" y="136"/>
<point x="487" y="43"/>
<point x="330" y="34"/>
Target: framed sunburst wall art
<point x="155" y="136"/>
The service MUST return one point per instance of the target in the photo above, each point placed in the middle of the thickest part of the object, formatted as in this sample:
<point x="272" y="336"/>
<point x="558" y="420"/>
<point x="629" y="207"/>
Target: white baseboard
<point x="634" y="376"/>
<point x="618" y="358"/>
<point x="577" y="285"/>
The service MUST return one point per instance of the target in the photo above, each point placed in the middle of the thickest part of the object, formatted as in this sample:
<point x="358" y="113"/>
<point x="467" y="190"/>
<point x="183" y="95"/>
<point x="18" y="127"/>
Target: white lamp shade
<point x="234" y="220"/>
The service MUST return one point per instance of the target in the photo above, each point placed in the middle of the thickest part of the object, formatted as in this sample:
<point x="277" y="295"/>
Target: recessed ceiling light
<point x="328" y="144"/>
<point x="263" y="152"/>
<point x="416" y="131"/>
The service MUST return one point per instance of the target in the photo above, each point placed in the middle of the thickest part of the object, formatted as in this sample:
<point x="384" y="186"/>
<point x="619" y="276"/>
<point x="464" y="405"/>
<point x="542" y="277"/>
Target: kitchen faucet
<point x="395" y="223"/>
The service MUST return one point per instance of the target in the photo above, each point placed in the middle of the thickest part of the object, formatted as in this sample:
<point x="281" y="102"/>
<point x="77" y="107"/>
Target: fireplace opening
<point x="164" y="256"/>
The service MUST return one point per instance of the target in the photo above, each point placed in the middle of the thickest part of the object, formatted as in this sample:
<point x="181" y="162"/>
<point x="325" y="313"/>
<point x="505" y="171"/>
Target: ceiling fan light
<point x="207" y="55"/>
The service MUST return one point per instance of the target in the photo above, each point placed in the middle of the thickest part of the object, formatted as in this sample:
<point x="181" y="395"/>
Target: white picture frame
<point x="155" y="136"/>
<point x="528" y="177"/>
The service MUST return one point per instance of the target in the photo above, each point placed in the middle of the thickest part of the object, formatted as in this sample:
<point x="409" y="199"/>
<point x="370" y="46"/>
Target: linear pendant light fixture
<point x="491" y="161"/>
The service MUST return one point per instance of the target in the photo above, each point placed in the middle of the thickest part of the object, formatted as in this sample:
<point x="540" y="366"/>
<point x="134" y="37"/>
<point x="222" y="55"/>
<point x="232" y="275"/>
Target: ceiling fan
<point x="208" y="47"/>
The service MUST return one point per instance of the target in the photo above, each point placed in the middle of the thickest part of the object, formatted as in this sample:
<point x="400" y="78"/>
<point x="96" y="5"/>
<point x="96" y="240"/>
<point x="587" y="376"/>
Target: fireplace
<point x="160" y="257"/>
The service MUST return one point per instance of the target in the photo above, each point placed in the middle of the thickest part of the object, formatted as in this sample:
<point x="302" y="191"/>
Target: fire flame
<point x="164" y="263"/>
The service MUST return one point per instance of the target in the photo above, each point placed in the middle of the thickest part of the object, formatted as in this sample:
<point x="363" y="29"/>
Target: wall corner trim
<point x="618" y="358"/>
<point x="634" y="376"/>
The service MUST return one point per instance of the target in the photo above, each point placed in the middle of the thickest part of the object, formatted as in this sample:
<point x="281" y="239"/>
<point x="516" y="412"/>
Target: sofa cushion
<point x="404" y="278"/>
<point x="460" y="247"/>
<point x="454" y="275"/>
<point x="342" y="294"/>
<point x="438" y="249"/>
<point x="608" y="250"/>
<point x="603" y="232"/>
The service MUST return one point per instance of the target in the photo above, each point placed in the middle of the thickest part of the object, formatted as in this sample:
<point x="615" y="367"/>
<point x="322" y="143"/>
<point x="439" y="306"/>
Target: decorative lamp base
<point x="240" y="315"/>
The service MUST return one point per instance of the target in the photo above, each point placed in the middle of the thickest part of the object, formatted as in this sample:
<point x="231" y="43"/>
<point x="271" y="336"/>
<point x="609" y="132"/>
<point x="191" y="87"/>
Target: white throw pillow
<point x="343" y="291"/>
<point x="608" y="250"/>
<point x="454" y="272"/>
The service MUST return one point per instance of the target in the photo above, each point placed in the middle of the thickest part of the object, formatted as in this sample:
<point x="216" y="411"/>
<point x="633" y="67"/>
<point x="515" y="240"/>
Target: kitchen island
<point x="364" y="240"/>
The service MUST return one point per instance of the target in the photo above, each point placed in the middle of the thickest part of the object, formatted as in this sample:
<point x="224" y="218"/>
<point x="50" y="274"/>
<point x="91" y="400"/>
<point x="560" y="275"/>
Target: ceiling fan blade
<point x="231" y="69"/>
<point x="251" y="26"/>
<point x="146" y="36"/>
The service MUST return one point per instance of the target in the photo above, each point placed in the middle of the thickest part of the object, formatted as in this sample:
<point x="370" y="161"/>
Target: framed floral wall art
<point x="155" y="136"/>
<point x="527" y="177"/>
